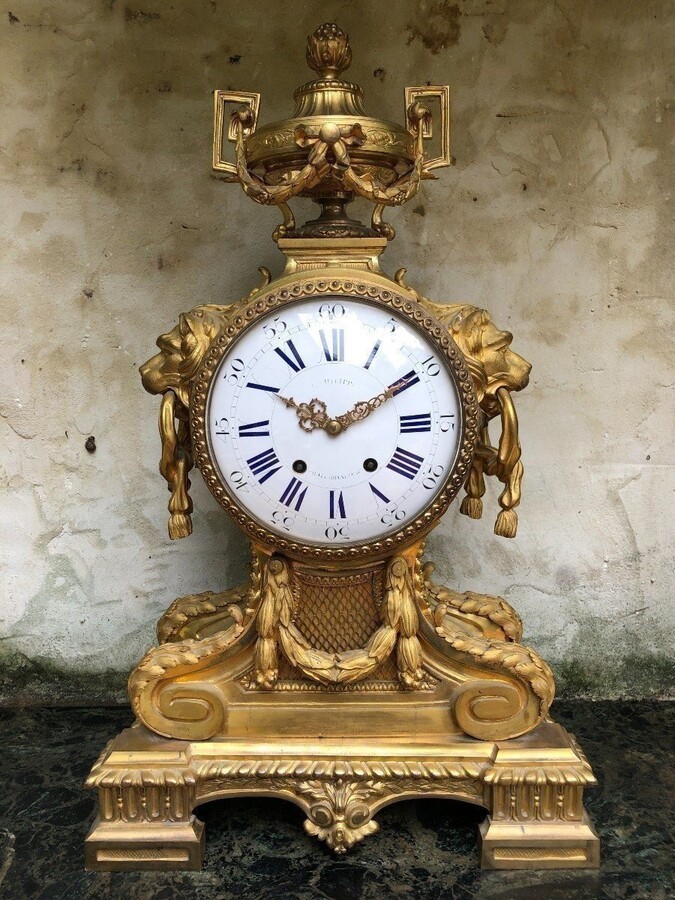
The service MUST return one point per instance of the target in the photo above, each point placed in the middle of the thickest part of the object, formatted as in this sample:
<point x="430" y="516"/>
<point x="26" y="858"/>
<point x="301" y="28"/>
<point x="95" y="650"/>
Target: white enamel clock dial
<point x="297" y="478"/>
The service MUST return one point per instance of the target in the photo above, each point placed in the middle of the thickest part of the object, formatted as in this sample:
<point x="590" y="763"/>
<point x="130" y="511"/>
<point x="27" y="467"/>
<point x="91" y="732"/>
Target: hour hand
<point x="310" y="415"/>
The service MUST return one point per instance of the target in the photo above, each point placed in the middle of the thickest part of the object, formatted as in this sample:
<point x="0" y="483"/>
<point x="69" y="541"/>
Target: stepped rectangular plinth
<point x="532" y="788"/>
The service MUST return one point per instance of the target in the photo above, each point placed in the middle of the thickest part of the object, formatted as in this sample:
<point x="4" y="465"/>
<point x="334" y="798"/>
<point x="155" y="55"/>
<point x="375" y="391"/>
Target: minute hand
<point x="363" y="408"/>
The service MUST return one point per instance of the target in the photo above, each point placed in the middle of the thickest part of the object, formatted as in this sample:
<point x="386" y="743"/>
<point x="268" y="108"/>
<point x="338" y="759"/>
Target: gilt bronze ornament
<point x="335" y="413"/>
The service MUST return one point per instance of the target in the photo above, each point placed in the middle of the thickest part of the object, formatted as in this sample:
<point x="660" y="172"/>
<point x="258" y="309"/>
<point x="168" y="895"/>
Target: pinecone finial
<point x="328" y="51"/>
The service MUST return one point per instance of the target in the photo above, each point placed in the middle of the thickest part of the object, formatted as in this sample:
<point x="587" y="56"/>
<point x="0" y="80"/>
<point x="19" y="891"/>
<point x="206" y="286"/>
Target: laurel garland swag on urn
<point x="335" y="413"/>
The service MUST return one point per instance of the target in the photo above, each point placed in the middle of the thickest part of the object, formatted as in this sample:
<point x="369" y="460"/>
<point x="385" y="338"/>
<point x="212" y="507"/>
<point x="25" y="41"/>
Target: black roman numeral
<point x="372" y="354"/>
<point x="264" y="465"/>
<point x="405" y="463"/>
<point x="296" y="363"/>
<point x="293" y="493"/>
<point x="378" y="494"/>
<point x="335" y="351"/>
<point x="337" y="505"/>
<point x="255" y="429"/>
<point x="403" y="383"/>
<point x="420" y="422"/>
<point x="262" y="387"/>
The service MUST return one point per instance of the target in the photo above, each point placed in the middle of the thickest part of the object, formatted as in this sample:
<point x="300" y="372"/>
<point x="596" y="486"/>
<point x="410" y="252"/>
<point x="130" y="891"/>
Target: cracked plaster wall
<point x="555" y="218"/>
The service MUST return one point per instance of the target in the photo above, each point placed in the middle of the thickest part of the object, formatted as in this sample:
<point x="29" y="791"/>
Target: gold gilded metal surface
<point x="397" y="631"/>
<point x="442" y="94"/>
<point x="330" y="147"/>
<point x="220" y="98"/>
<point x="247" y="672"/>
<point x="340" y="679"/>
<point x="532" y="789"/>
<point x="497" y="373"/>
<point x="462" y="650"/>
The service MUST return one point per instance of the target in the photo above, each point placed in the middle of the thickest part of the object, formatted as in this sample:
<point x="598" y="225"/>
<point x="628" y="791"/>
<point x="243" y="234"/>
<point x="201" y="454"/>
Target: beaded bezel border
<point x="309" y="288"/>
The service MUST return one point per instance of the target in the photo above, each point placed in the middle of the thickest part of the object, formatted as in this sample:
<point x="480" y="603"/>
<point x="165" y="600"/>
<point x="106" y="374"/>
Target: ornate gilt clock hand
<point x="363" y="408"/>
<point x="288" y="401"/>
<point x="314" y="415"/>
<point x="310" y="415"/>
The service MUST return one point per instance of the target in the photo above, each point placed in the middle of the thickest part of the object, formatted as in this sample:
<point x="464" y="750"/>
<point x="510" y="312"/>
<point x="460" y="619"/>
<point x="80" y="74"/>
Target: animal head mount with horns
<point x="496" y="371"/>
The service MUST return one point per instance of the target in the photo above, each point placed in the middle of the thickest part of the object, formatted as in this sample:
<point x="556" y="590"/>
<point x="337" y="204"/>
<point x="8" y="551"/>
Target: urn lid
<point x="329" y="54"/>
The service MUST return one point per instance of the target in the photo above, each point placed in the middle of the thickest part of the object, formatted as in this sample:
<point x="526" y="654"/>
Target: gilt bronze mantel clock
<point x="335" y="414"/>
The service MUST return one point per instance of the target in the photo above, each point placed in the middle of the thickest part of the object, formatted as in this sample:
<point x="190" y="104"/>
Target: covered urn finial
<point x="330" y="149"/>
<point x="328" y="51"/>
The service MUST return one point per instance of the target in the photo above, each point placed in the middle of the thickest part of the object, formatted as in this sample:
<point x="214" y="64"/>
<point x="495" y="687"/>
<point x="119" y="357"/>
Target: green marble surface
<point x="258" y="849"/>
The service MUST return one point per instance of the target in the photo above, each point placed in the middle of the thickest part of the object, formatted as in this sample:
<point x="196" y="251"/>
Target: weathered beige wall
<point x="555" y="218"/>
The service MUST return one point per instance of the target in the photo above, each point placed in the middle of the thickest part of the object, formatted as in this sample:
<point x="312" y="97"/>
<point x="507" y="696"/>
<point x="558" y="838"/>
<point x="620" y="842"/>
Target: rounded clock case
<point x="444" y="468"/>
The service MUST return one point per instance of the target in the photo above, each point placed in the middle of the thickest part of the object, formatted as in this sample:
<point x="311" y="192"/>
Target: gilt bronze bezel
<point x="360" y="288"/>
